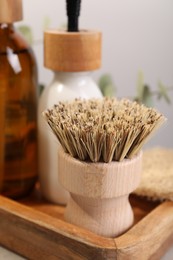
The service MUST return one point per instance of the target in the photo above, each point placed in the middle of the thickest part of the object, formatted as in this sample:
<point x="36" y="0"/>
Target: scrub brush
<point x="103" y="130"/>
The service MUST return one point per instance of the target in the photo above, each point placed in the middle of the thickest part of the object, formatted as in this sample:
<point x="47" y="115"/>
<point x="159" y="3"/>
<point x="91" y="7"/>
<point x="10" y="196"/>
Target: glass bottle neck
<point x="6" y="26"/>
<point x="6" y="29"/>
<point x="9" y="37"/>
<point x="6" y="34"/>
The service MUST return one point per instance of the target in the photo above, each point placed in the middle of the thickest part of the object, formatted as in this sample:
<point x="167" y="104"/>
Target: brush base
<point x="99" y="193"/>
<point x="107" y="217"/>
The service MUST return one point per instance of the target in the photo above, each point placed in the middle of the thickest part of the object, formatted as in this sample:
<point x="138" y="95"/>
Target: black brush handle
<point x="73" y="12"/>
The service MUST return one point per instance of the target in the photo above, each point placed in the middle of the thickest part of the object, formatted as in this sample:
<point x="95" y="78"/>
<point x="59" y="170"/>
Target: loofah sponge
<point x="157" y="174"/>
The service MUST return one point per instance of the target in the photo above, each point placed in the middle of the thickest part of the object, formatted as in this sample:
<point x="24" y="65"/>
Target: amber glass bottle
<point x="18" y="80"/>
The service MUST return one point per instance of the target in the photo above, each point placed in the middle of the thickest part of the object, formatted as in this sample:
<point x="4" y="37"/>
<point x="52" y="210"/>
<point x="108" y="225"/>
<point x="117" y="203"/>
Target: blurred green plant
<point x="106" y="85"/>
<point x="26" y="31"/>
<point x="144" y="94"/>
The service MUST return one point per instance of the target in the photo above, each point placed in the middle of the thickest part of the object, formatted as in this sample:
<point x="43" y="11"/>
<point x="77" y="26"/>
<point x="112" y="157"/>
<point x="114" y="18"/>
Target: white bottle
<point x="65" y="86"/>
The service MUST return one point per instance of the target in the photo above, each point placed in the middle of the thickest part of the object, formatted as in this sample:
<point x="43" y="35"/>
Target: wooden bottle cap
<point x="72" y="51"/>
<point x="10" y="11"/>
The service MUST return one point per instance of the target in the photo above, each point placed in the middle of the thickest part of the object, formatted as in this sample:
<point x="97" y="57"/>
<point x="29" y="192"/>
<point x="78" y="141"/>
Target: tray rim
<point x="128" y="244"/>
<point x="9" y="206"/>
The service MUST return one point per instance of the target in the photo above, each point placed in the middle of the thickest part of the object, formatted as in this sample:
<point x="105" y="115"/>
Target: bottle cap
<point x="72" y="51"/>
<point x="10" y="11"/>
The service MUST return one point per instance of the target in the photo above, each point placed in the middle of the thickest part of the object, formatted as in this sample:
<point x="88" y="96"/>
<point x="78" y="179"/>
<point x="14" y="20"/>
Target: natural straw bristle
<point x="103" y="129"/>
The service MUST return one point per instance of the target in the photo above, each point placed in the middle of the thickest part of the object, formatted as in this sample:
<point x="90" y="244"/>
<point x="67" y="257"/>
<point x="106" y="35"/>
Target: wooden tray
<point x="36" y="229"/>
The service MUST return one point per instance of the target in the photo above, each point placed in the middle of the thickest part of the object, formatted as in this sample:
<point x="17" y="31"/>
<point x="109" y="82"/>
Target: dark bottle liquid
<point x="18" y="80"/>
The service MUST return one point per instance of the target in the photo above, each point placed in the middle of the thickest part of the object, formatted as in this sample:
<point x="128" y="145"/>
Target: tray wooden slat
<point x="36" y="229"/>
<point x="150" y="237"/>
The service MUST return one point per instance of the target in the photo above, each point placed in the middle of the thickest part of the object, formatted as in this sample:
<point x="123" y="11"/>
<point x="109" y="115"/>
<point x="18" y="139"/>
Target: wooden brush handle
<point x="107" y="217"/>
<point x="99" y="193"/>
